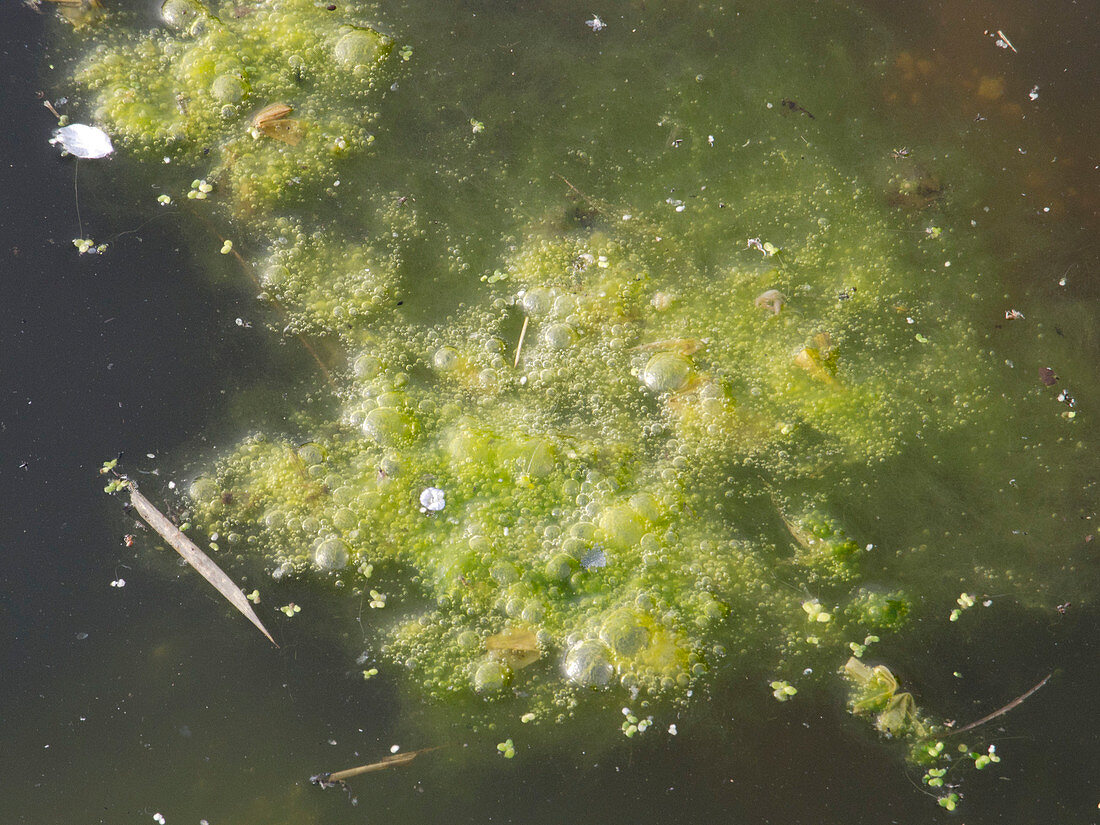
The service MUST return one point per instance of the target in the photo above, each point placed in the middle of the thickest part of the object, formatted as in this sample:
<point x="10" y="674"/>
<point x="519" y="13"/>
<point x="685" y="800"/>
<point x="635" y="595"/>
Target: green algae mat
<point x="630" y="358"/>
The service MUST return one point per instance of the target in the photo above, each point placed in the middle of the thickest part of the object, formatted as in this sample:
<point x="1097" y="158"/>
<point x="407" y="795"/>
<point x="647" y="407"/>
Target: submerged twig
<point x="275" y="301"/>
<point x="599" y="204"/>
<point x="331" y="780"/>
<point x="1000" y="711"/>
<point x="195" y="557"/>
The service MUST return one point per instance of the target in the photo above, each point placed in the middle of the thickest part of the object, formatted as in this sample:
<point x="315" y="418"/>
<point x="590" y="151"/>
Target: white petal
<point x="433" y="499"/>
<point x="83" y="141"/>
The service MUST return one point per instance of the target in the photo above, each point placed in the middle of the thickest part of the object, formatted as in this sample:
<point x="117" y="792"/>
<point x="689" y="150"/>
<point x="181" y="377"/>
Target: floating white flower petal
<point x="83" y="141"/>
<point x="432" y="498"/>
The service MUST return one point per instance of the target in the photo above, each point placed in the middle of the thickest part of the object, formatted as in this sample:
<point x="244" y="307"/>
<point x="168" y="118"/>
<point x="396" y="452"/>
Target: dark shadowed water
<point x="120" y="703"/>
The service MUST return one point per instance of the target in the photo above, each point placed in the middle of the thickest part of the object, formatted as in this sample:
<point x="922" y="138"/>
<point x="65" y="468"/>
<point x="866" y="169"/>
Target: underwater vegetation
<point x="607" y="468"/>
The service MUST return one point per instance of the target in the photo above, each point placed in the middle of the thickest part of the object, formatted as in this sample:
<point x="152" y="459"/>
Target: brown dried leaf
<point x="273" y="122"/>
<point x="288" y="131"/>
<point x="513" y="640"/>
<point x="195" y="557"/>
<point x="516" y="648"/>
<point x="269" y="113"/>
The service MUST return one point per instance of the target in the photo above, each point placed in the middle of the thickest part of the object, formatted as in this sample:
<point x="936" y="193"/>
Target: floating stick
<point x="194" y="557"/>
<point x="329" y="780"/>
<point x="1000" y="711"/>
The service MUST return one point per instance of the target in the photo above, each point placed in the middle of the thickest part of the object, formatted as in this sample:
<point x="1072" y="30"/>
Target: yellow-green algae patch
<point x="639" y="526"/>
<point x="603" y="464"/>
<point x="195" y="90"/>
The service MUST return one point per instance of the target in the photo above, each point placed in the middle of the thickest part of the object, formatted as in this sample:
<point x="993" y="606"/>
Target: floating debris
<point x="771" y="299"/>
<point x="764" y="248"/>
<point x="432" y="499"/>
<point x="794" y="106"/>
<point x="194" y="556"/>
<point x="594" y="559"/>
<point x="337" y="779"/>
<point x="1004" y="43"/>
<point x="273" y="122"/>
<point x="516" y="648"/>
<point x="83" y="141"/>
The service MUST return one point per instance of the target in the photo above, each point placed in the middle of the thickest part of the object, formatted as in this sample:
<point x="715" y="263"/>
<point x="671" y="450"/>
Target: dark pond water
<point x="120" y="703"/>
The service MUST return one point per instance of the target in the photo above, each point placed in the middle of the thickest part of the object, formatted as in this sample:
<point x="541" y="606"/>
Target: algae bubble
<point x="183" y="15"/>
<point x="624" y="633"/>
<point x="587" y="663"/>
<point x="331" y="556"/>
<point x="667" y="372"/>
<point x="490" y="677"/>
<point x="360" y="48"/>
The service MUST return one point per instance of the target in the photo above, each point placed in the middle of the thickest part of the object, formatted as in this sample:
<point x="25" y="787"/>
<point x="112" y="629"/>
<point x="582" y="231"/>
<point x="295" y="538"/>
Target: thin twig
<point x="286" y="314"/>
<point x="1000" y="711"/>
<point x="1008" y="42"/>
<point x="579" y="193"/>
<point x="76" y="197"/>
<point x="522" y="335"/>
<point x="328" y="780"/>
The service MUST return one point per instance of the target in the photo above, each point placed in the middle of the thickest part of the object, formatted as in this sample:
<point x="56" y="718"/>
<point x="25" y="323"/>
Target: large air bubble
<point x="667" y="372"/>
<point x="588" y="664"/>
<point x="624" y="633"/>
<point x="490" y="677"/>
<point x="182" y="15"/>
<point x="359" y="47"/>
<point x="387" y="427"/>
<point x="331" y="555"/>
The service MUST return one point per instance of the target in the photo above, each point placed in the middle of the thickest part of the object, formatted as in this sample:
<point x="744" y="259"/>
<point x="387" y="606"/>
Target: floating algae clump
<point x="606" y="467"/>
<point x="616" y="492"/>
<point x="276" y="94"/>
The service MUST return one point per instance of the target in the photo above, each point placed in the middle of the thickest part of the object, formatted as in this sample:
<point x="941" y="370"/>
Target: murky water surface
<point x="128" y="690"/>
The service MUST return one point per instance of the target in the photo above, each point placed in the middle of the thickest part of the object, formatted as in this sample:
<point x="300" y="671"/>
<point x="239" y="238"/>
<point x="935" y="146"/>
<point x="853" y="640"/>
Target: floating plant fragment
<point x="516" y="648"/>
<point x="195" y="557"/>
<point x="433" y="499"/>
<point x="771" y="299"/>
<point x="83" y="141"/>
<point x="332" y="780"/>
<point x="875" y="690"/>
